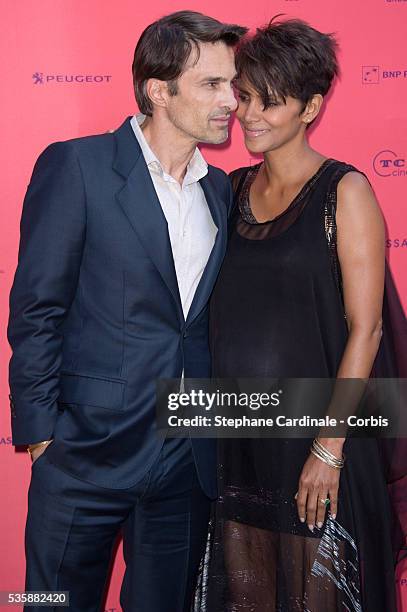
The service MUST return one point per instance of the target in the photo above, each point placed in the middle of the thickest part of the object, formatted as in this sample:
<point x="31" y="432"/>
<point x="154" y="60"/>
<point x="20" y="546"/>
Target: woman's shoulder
<point x="354" y="195"/>
<point x="341" y="167"/>
<point x="237" y="174"/>
<point x="344" y="175"/>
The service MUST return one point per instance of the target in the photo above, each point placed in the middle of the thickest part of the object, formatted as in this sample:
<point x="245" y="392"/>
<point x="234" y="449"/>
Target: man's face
<point x="204" y="101"/>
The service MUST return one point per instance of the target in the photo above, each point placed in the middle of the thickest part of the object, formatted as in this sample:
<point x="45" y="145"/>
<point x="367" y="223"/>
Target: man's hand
<point x="36" y="452"/>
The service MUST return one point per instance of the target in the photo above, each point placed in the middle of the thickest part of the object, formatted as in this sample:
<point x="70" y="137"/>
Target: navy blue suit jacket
<point x="95" y="311"/>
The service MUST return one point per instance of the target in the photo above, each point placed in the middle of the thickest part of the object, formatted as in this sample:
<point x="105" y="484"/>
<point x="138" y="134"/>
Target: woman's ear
<point x="312" y="109"/>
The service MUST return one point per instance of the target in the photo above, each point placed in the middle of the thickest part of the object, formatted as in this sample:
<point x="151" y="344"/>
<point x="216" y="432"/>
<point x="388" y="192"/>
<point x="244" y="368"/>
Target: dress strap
<point x="330" y="206"/>
<point x="237" y="178"/>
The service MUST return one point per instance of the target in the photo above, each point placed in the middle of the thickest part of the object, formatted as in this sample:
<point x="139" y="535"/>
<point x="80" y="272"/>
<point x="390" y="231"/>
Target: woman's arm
<point x="360" y="244"/>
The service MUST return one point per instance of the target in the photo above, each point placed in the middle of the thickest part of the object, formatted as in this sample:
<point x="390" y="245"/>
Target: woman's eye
<point x="242" y="97"/>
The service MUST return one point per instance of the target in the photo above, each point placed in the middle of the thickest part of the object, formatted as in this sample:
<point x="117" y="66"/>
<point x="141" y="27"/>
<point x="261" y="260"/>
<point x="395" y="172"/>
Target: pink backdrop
<point x="66" y="72"/>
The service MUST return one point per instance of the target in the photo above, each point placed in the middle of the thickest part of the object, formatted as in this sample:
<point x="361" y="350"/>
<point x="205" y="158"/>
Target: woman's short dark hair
<point x="165" y="46"/>
<point x="288" y="58"/>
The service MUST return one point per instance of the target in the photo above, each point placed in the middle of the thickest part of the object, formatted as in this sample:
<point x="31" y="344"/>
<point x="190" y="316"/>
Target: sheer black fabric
<point x="277" y="311"/>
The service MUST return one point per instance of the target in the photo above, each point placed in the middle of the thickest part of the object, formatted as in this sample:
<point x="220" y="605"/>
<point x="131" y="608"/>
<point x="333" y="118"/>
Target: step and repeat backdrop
<point x="66" y="72"/>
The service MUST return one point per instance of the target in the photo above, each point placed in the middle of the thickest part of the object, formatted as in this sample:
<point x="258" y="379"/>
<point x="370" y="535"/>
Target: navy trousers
<point x="72" y="527"/>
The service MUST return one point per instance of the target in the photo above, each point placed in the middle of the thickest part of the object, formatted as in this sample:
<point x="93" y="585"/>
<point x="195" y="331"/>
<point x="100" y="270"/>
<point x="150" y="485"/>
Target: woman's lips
<point x="253" y="132"/>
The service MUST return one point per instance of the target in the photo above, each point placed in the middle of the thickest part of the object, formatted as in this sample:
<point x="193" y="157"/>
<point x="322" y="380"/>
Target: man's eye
<point x="212" y="84"/>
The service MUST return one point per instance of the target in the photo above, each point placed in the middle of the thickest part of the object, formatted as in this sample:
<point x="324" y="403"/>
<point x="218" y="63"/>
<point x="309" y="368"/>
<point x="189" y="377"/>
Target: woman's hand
<point x="318" y="481"/>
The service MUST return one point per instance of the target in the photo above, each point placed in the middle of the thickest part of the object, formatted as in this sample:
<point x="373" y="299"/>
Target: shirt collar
<point x="196" y="169"/>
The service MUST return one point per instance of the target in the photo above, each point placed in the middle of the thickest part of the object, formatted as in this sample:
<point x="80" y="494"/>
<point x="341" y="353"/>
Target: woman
<point x="300" y="294"/>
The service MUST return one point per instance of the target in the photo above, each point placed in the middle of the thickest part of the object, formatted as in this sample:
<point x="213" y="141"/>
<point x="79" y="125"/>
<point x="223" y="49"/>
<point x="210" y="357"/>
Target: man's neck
<point x="173" y="149"/>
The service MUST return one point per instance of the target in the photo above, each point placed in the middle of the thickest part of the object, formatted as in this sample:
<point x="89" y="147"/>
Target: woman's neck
<point x="287" y="166"/>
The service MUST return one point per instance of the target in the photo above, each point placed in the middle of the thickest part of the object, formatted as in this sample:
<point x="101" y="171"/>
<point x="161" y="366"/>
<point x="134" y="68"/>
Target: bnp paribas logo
<point x="374" y="75"/>
<point x="41" y="78"/>
<point x="370" y="75"/>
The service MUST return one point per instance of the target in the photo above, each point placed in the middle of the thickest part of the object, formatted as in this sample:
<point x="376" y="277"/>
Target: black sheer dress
<point x="277" y="311"/>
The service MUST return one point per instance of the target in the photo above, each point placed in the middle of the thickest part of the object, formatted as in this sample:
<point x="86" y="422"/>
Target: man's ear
<point x="157" y="91"/>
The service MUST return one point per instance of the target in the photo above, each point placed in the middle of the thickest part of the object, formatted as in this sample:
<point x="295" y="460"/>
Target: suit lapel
<point x="218" y="211"/>
<point x="142" y="207"/>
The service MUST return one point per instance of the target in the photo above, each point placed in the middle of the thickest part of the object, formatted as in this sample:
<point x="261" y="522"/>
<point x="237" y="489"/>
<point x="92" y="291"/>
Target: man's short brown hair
<point x="165" y="46"/>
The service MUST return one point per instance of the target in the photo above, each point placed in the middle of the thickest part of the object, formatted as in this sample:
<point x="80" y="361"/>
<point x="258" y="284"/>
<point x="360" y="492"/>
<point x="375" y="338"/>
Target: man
<point x="122" y="237"/>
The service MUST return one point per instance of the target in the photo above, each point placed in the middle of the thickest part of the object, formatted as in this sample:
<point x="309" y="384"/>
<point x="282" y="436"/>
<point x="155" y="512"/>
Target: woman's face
<point x="267" y="130"/>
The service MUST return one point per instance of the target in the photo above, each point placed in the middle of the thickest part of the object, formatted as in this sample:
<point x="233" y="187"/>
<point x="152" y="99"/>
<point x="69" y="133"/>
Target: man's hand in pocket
<point x="38" y="450"/>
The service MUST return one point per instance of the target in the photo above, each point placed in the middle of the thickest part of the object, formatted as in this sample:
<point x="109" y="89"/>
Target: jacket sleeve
<point x="52" y="234"/>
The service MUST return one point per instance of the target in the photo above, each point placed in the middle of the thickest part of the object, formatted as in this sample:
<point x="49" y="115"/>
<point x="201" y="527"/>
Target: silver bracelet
<point x="326" y="456"/>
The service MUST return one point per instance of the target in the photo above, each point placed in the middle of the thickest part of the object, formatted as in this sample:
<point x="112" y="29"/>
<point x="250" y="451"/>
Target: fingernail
<point x="311" y="527"/>
<point x="334" y="516"/>
<point x="302" y="519"/>
<point x="319" y="524"/>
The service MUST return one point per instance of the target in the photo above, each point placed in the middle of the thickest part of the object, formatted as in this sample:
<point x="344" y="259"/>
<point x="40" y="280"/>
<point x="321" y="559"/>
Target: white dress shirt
<point x="191" y="228"/>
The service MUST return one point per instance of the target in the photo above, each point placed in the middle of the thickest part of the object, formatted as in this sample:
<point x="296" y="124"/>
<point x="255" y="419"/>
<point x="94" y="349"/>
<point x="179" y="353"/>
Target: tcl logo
<point x="388" y="163"/>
